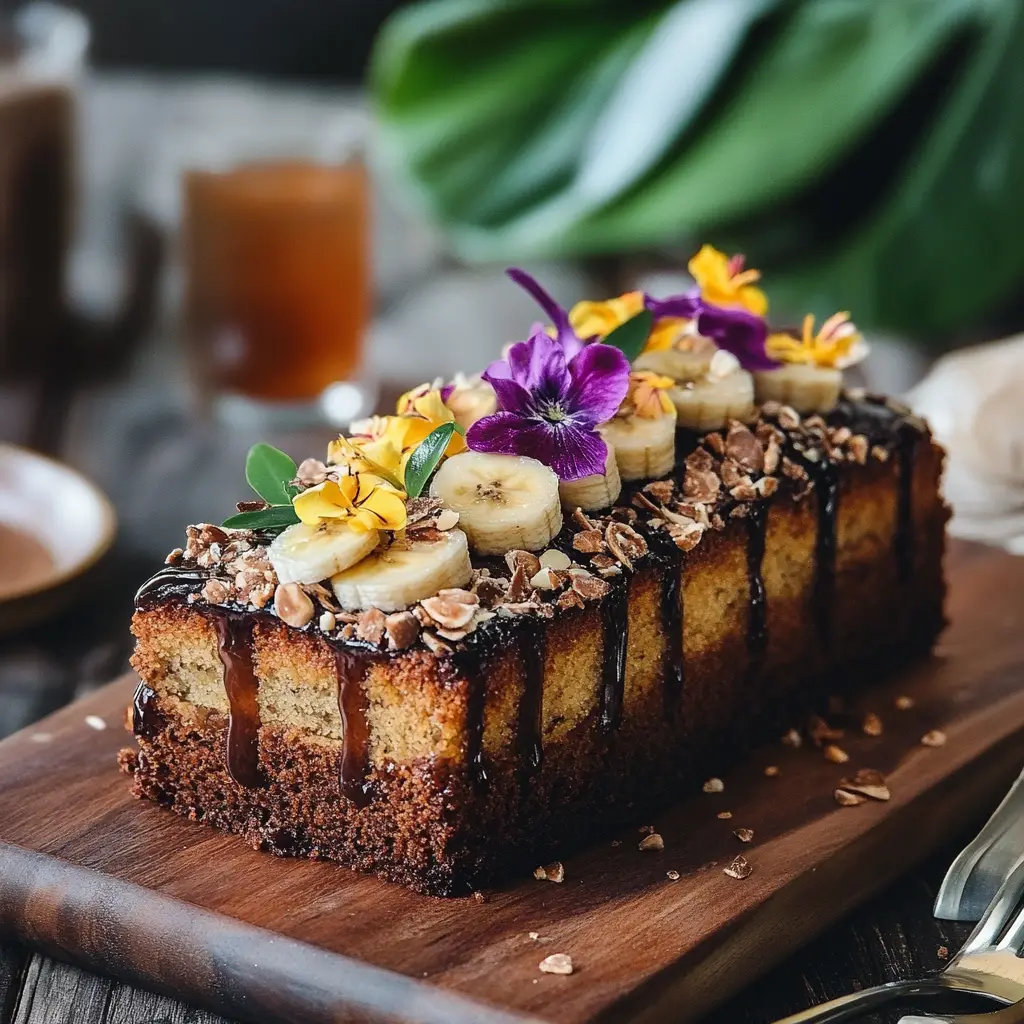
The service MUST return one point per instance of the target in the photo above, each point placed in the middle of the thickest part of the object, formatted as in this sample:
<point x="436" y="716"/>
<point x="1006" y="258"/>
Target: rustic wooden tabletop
<point x="162" y="470"/>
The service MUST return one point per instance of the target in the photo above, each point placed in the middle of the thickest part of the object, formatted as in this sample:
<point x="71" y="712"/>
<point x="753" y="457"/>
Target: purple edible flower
<point x="738" y="331"/>
<point x="685" y="306"/>
<point x="559" y="317"/>
<point x="551" y="403"/>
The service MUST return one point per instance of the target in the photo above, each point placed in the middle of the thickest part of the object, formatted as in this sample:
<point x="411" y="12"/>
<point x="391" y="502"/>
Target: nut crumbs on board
<point x="714" y="785"/>
<point x="872" y="725"/>
<point x="846" y="799"/>
<point x="771" y="770"/>
<point x="724" y="815"/>
<point x="557" y="963"/>
<point x="904" y="703"/>
<point x="739" y="868"/>
<point x="553" y="872"/>
<point x="933" y="738"/>
<point x="673" y="876"/>
<point x="835" y="754"/>
<point x="95" y="722"/>
<point x="792" y="739"/>
<point x="744" y="835"/>
<point x="652" y="842"/>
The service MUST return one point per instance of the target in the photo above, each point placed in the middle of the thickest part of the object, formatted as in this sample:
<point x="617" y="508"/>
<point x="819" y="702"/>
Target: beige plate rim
<point x="103" y="543"/>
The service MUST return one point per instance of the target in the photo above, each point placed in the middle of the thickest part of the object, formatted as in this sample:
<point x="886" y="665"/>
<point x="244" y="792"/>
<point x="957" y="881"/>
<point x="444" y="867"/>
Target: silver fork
<point x="988" y="965"/>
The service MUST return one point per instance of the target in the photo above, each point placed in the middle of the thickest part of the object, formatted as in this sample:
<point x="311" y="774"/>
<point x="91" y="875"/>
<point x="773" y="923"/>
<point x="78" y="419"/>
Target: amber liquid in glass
<point x="277" y="264"/>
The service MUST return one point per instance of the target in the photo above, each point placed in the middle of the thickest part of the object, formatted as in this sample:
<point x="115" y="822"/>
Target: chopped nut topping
<point x="525" y="560"/>
<point x="327" y="622"/>
<point x="582" y="520"/>
<point x="174" y="557"/>
<point x="590" y="588"/>
<point x="714" y="785"/>
<point x="402" y="630"/>
<point x="553" y="872"/>
<point x="217" y="591"/>
<point x="858" y="448"/>
<point x="934" y="738"/>
<point x="624" y="543"/>
<point x="293" y="605"/>
<point x="557" y="963"/>
<point x="519" y="587"/>
<point x="449" y="612"/>
<point x="447" y="519"/>
<point x="744" y="835"/>
<point x="652" y="842"/>
<point x="739" y="868"/>
<point x="435" y="645"/>
<point x="835" y="754"/>
<point x="847" y="799"/>
<point x="743" y="448"/>
<point x="872" y="725"/>
<point x="788" y="417"/>
<point x="555" y="559"/>
<point x="370" y="625"/>
<point x="549" y="579"/>
<point x="589" y="542"/>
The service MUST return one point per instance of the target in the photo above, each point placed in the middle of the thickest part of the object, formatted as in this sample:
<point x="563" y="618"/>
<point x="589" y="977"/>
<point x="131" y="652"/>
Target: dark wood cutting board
<point x="92" y="875"/>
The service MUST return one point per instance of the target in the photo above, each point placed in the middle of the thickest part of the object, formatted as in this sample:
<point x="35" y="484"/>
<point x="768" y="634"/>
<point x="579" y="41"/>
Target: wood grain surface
<point x="89" y="874"/>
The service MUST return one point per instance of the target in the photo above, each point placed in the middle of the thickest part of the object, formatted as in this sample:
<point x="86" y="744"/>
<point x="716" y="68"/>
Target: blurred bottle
<point x="277" y="270"/>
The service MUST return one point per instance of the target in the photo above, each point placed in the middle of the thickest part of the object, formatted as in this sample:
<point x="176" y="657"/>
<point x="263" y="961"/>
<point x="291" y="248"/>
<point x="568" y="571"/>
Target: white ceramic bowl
<point x="54" y="525"/>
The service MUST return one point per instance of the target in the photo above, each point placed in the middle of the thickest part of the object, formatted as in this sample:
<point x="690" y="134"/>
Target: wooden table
<point x="157" y="467"/>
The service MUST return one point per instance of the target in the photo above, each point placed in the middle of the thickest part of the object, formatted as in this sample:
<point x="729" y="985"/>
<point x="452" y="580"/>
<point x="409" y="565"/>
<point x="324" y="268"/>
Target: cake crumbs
<point x="553" y="872"/>
<point x="557" y="963"/>
<point x="738" y="868"/>
<point x="771" y="770"/>
<point x="744" y="835"/>
<point x="714" y="785"/>
<point x="872" y="725"/>
<point x="933" y="738"/>
<point x="652" y="842"/>
<point x="904" y="703"/>
<point x="672" y="876"/>
<point x="725" y="815"/>
<point x="95" y="722"/>
<point x="835" y="754"/>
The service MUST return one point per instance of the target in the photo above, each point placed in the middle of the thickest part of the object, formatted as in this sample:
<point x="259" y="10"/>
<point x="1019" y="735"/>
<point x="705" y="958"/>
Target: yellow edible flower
<point x="423" y="410"/>
<point x="647" y="394"/>
<point x="599" y="319"/>
<point x="375" y="447"/>
<point x="366" y="501"/>
<point x="837" y="345"/>
<point x="724" y="282"/>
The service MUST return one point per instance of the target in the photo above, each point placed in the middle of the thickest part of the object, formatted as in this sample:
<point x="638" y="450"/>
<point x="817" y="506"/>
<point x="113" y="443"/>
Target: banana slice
<point x="709" y="403"/>
<point x="644" y="448"/>
<point x="806" y="388"/>
<point x="404" y="573"/>
<point x="689" y="359"/>
<point x="593" y="492"/>
<point x="309" y="554"/>
<point x="504" y="501"/>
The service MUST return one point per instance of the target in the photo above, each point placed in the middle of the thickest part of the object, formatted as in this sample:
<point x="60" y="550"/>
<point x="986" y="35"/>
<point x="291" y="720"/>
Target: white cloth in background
<point x="974" y="401"/>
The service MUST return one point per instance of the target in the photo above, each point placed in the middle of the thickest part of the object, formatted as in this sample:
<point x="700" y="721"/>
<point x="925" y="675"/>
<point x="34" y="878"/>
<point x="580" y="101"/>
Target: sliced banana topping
<point x="686" y="360"/>
<point x="504" y="501"/>
<point x="644" y="448"/>
<point x="593" y="492"/>
<point x="398" y="576"/>
<point x="709" y="403"/>
<point x="804" y="387"/>
<point x="309" y="554"/>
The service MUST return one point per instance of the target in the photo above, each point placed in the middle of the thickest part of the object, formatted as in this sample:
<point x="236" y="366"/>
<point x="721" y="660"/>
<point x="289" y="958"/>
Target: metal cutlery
<point x="989" y="964"/>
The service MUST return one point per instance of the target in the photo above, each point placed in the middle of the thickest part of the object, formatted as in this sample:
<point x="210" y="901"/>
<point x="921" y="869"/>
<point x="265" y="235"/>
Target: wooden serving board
<point x="92" y="875"/>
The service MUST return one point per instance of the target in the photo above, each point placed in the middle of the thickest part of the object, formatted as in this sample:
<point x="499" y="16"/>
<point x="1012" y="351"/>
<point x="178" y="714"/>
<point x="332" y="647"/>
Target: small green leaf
<point x="425" y="458"/>
<point x="631" y="336"/>
<point x="268" y="471"/>
<point x="277" y="517"/>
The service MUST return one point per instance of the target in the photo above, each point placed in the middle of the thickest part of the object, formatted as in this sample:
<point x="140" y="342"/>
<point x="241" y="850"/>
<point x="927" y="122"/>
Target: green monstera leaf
<point x="866" y="152"/>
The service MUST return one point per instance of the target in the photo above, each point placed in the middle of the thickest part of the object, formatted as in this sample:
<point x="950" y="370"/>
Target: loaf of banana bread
<point x="531" y="605"/>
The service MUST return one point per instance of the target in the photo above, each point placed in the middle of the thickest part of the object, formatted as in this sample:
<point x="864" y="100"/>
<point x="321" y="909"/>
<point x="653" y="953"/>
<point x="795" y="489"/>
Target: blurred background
<point x="232" y="221"/>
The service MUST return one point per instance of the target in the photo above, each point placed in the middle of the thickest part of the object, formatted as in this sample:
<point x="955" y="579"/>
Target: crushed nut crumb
<point x="557" y="963"/>
<point x="835" y="754"/>
<point x="714" y="785"/>
<point x="744" y="835"/>
<point x="652" y="842"/>
<point x="771" y="771"/>
<point x="739" y="868"/>
<point x="724" y="815"/>
<point x="95" y="722"/>
<point x="553" y="872"/>
<point x="847" y="799"/>
<point x="872" y="725"/>
<point x="793" y="739"/>
<point x="904" y="703"/>
<point x="933" y="738"/>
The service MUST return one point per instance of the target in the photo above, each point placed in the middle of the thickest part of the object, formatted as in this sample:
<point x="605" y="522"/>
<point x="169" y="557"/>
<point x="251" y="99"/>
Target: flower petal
<point x="512" y="397"/>
<point x="600" y="380"/>
<point x="683" y="307"/>
<point x="564" y="333"/>
<point x="739" y="332"/>
<point x="498" y="433"/>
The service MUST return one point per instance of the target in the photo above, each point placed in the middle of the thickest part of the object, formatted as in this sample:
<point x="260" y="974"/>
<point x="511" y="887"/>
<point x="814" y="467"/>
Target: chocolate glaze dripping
<point x="529" y="747"/>
<point x="174" y="581"/>
<point x="234" y="645"/>
<point x="614" y="613"/>
<point x="906" y="453"/>
<point x="757" y="617"/>
<point x="146" y="720"/>
<point x="352" y="667"/>
<point x="474" y="667"/>
<point x="672" y="626"/>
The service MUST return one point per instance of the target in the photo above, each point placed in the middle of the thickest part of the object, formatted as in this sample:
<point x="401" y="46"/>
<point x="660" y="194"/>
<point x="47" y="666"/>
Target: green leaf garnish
<point x="425" y="458"/>
<point x="268" y="471"/>
<point x="277" y="517"/>
<point x="630" y="337"/>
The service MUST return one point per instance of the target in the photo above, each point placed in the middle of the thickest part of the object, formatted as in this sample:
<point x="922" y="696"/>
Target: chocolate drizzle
<point x="146" y="720"/>
<point x="825" y="475"/>
<point x="352" y="668"/>
<point x="529" y="747"/>
<point x="614" y="613"/>
<point x="473" y="665"/>
<point x="234" y="645"/>
<point x="672" y="626"/>
<point x="757" y="614"/>
<point x="174" y="581"/>
<point x="906" y="452"/>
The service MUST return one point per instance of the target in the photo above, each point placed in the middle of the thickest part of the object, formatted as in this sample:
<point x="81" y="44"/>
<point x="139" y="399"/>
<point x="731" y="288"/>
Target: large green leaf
<point x="533" y="129"/>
